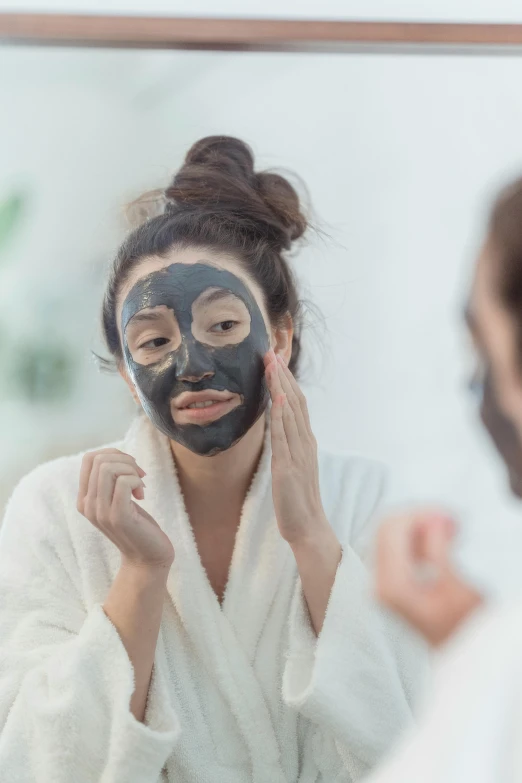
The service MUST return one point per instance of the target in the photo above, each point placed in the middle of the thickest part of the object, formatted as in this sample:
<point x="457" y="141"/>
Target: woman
<point x="472" y="729"/>
<point x="197" y="611"/>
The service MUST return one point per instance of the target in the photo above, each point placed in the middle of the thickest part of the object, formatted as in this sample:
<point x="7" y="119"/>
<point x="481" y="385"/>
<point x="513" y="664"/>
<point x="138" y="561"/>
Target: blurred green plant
<point x="42" y="373"/>
<point x="35" y="371"/>
<point x="11" y="212"/>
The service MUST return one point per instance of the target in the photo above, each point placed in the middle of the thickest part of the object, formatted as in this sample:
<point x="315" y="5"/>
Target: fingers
<point x="296" y="397"/>
<point x="413" y="560"/>
<point x="436" y="605"/>
<point x="395" y="560"/>
<point x="85" y="474"/>
<point x="433" y="535"/>
<point x="272" y="376"/>
<point x="269" y="357"/>
<point x="280" y="448"/>
<point x="282" y="412"/>
<point x="296" y="422"/>
<point x="100" y="459"/>
<point x="108" y="475"/>
<point x="91" y="465"/>
<point x="88" y="461"/>
<point x="122" y="499"/>
<point x="289" y="417"/>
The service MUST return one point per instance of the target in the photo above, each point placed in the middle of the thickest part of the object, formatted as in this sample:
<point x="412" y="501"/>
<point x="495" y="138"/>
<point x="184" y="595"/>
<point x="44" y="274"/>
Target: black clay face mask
<point x="194" y="340"/>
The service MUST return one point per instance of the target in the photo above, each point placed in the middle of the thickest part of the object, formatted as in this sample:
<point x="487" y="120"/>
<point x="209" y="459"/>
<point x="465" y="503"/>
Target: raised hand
<point x="109" y="482"/>
<point x="416" y="578"/>
<point x="295" y="472"/>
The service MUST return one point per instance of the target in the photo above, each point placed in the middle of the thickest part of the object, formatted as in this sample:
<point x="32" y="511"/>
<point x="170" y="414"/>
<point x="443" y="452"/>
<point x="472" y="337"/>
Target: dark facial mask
<point x="502" y="431"/>
<point x="195" y="366"/>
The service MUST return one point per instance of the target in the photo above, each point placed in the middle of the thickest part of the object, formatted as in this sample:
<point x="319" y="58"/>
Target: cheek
<point x="507" y="383"/>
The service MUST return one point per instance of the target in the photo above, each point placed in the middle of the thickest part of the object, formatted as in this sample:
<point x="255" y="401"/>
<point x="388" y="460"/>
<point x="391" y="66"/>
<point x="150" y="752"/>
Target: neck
<point x="225" y="475"/>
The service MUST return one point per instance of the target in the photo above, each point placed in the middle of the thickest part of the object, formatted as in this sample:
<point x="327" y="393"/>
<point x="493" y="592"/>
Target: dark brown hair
<point x="218" y="201"/>
<point x="506" y="239"/>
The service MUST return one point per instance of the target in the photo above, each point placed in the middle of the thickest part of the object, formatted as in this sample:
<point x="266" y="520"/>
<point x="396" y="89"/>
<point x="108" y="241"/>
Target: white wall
<point x="426" y="10"/>
<point x="72" y="142"/>
<point x="401" y="155"/>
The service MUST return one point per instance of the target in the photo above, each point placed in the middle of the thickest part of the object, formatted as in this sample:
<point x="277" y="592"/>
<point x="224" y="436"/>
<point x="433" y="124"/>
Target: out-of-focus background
<point x="401" y="154"/>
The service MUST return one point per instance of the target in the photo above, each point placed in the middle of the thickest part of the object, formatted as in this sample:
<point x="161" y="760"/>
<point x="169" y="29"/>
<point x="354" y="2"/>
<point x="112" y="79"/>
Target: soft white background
<point x="427" y="10"/>
<point x="401" y="155"/>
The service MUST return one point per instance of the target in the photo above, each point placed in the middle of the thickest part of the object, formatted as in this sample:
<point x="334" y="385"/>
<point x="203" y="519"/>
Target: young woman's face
<point x="494" y="335"/>
<point x="194" y="331"/>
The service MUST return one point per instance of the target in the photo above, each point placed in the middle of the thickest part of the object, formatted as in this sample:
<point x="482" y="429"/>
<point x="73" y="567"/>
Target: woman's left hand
<point x="295" y="472"/>
<point x="416" y="577"/>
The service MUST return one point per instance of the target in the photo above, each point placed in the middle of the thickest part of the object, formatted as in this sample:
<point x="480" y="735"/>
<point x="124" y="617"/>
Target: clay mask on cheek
<point x="199" y="360"/>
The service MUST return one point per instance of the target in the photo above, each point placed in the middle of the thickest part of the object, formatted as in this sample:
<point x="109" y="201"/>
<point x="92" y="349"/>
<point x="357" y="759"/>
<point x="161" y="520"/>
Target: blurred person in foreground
<point x="471" y="730"/>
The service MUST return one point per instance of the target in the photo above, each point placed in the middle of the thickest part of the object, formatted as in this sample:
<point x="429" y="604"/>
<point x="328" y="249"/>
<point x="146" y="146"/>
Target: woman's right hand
<point x="109" y="480"/>
<point x="416" y="578"/>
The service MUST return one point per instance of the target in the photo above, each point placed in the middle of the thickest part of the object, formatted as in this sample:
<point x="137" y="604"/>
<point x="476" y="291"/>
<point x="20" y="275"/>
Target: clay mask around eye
<point x="199" y="360"/>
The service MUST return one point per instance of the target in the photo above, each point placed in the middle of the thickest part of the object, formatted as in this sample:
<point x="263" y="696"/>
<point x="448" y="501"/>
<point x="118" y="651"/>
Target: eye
<point x="224" y="326"/>
<point x="157" y="342"/>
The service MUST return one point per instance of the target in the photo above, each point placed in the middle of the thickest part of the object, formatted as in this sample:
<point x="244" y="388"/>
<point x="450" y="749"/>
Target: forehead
<point x="190" y="257"/>
<point x="492" y="325"/>
<point x="180" y="286"/>
<point x="484" y="304"/>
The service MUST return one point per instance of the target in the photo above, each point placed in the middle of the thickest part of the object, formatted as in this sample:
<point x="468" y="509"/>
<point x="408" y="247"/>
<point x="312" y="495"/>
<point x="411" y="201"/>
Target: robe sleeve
<point x="66" y="680"/>
<point x="471" y="728"/>
<point x="358" y="679"/>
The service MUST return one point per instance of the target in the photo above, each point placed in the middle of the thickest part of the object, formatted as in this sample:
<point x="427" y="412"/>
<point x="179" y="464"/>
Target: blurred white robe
<point x="240" y="693"/>
<point x="471" y="728"/>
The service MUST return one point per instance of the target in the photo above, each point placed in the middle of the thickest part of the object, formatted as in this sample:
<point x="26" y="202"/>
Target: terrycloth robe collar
<point x="224" y="636"/>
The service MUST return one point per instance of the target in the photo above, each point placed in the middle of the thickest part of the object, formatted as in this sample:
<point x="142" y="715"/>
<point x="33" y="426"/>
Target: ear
<point x="124" y="374"/>
<point x="282" y="337"/>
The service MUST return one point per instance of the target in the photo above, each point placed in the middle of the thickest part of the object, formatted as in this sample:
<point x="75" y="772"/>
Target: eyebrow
<point x="144" y="317"/>
<point x="217" y="295"/>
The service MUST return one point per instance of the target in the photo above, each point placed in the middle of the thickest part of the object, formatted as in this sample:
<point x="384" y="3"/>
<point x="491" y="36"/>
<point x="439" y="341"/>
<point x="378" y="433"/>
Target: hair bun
<point x="230" y="155"/>
<point x="218" y="177"/>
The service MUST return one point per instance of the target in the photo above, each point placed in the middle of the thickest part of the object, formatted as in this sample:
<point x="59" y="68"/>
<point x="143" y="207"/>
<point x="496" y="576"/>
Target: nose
<point x="193" y="363"/>
<point x="193" y="377"/>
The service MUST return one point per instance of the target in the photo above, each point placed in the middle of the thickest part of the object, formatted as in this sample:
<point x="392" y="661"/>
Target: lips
<point x="203" y="407"/>
<point x="202" y="399"/>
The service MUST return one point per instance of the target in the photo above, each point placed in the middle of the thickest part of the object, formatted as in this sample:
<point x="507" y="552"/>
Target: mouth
<point x="203" y="407"/>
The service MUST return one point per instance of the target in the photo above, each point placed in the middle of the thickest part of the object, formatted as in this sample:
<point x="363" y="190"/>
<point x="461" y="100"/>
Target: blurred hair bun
<point x="218" y="177"/>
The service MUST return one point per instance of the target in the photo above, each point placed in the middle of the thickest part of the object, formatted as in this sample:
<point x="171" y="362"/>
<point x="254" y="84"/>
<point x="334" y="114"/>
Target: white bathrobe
<point x="471" y="729"/>
<point x="240" y="693"/>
